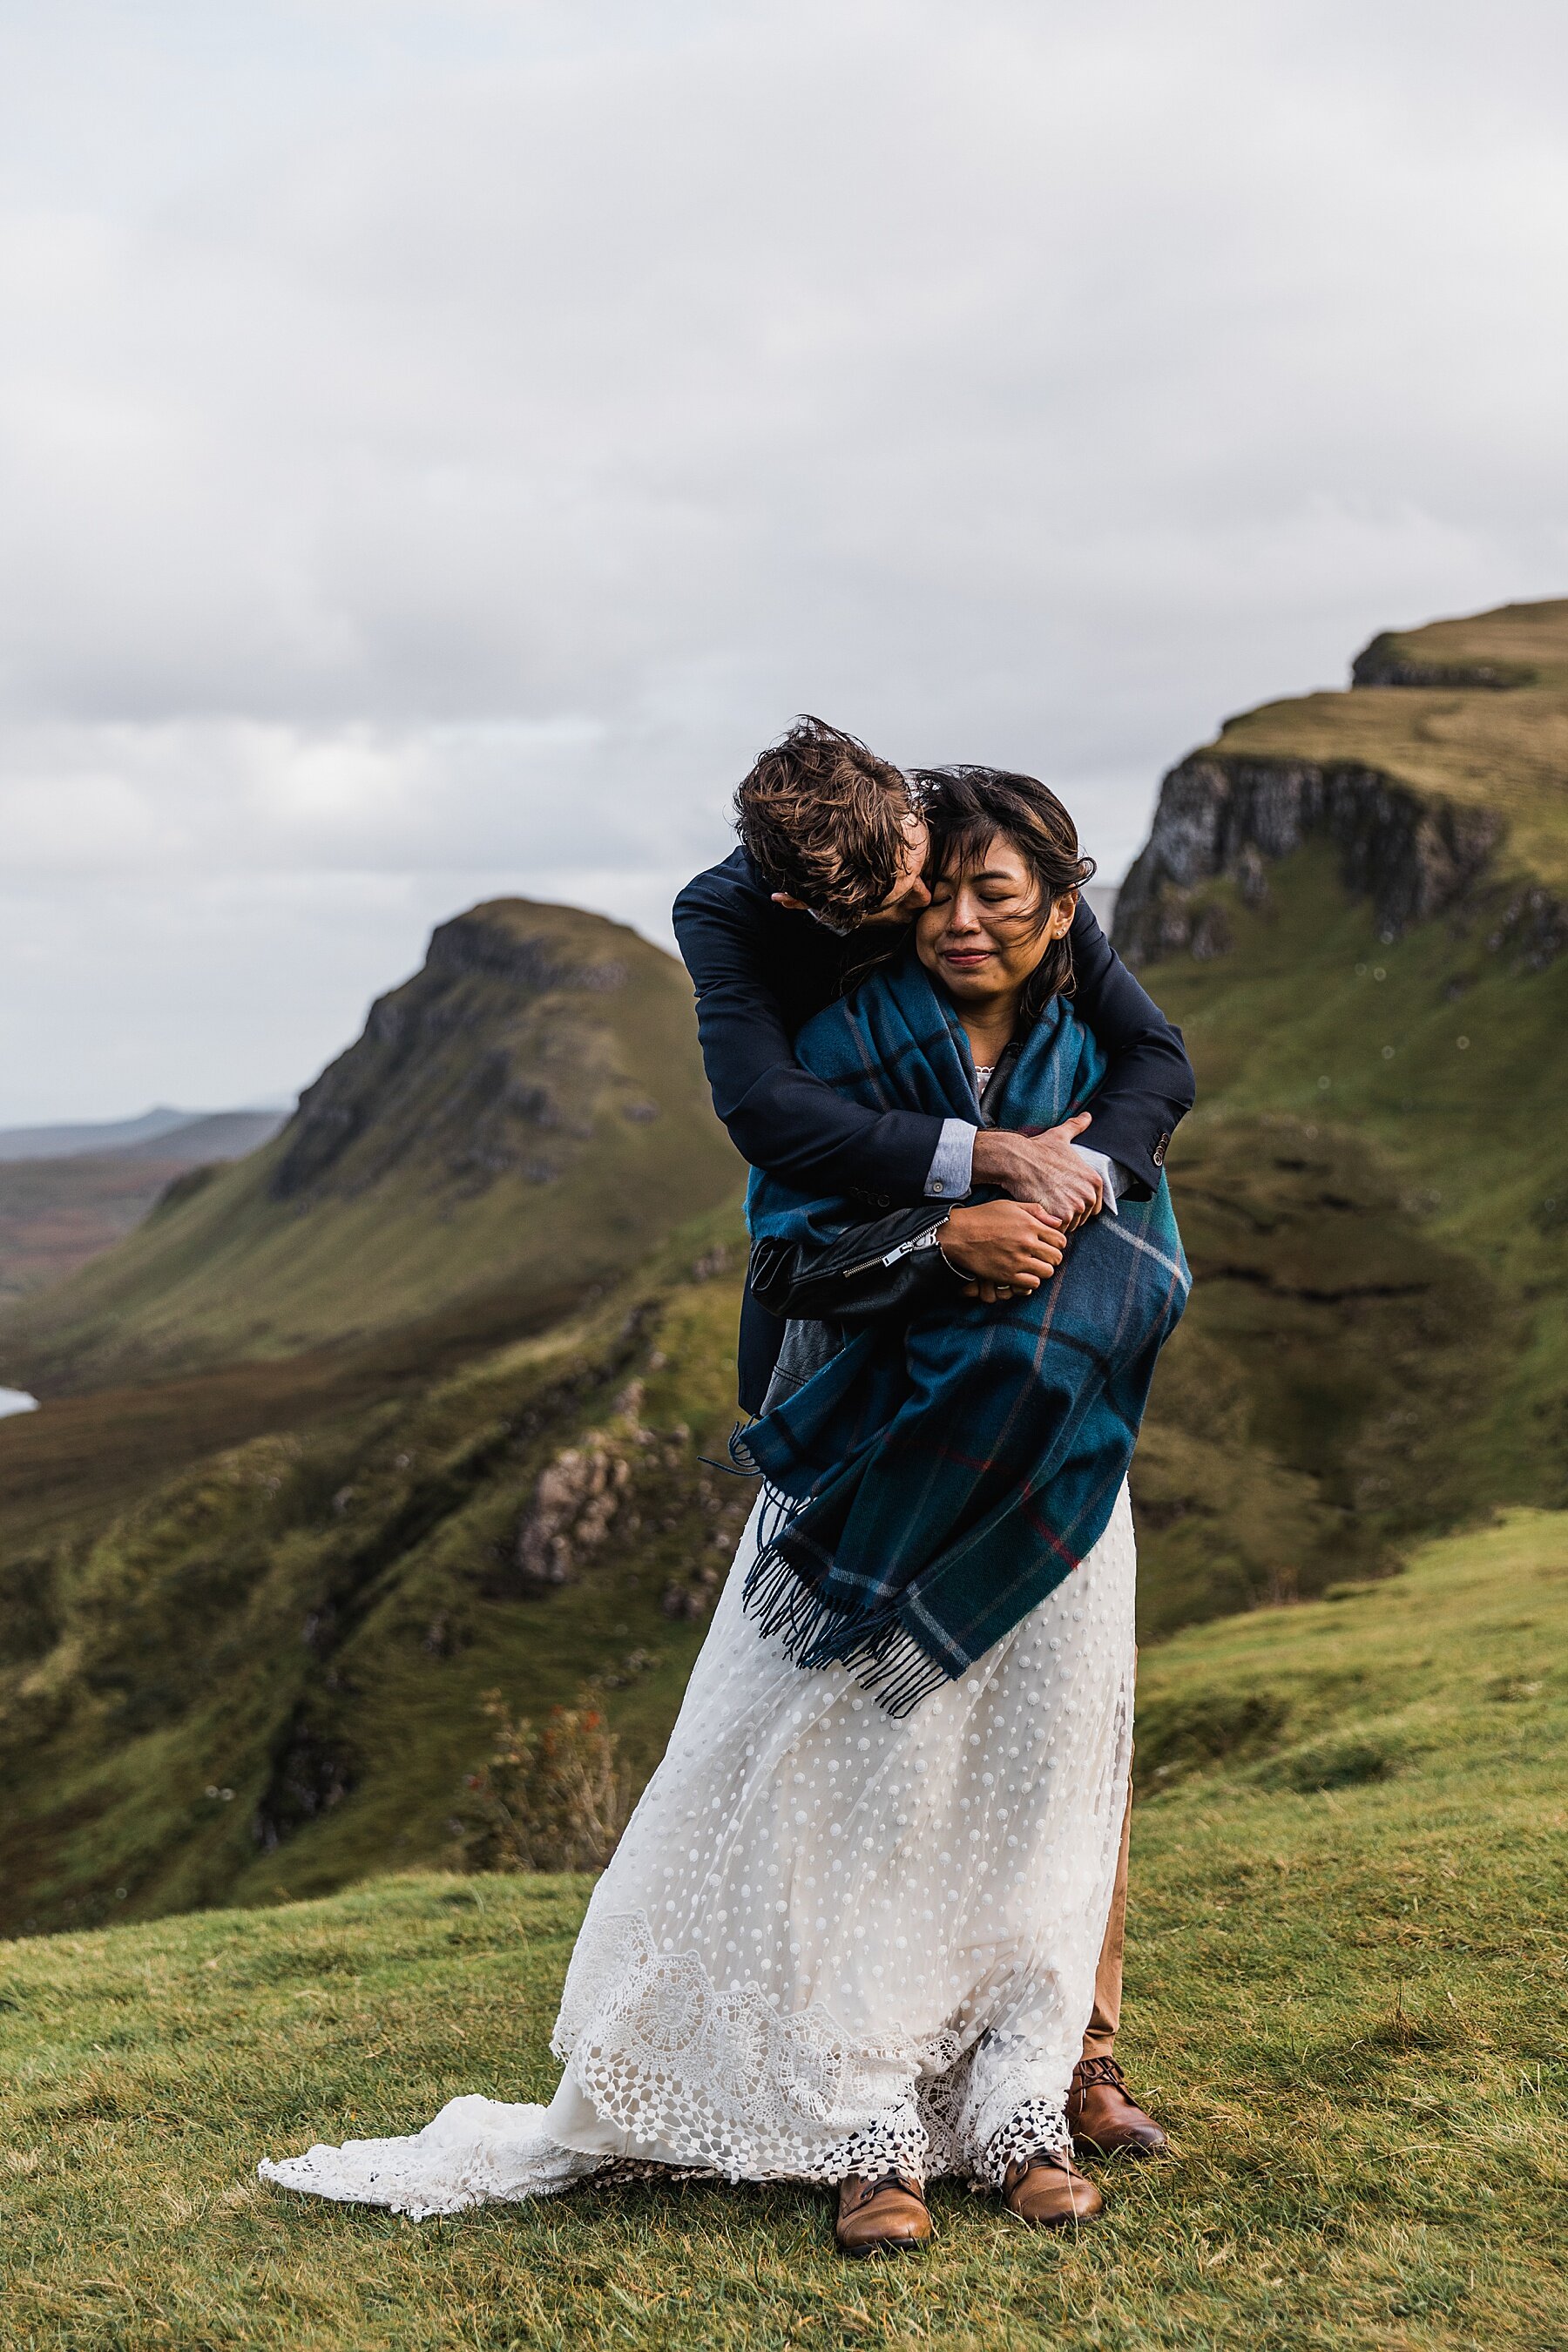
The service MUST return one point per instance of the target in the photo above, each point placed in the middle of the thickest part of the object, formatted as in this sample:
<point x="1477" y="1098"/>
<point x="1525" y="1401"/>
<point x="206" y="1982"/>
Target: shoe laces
<point x="1101" y="2070"/>
<point x="870" y="2188"/>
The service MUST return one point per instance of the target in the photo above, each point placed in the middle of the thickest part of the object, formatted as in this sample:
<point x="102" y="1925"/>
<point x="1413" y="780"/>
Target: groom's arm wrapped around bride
<point x="761" y="970"/>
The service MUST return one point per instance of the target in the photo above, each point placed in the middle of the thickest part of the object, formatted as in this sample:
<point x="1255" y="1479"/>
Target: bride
<point x="850" y="1933"/>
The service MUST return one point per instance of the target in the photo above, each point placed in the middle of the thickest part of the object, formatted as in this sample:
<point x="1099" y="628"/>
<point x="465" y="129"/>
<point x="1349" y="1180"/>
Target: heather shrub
<point x="551" y="1796"/>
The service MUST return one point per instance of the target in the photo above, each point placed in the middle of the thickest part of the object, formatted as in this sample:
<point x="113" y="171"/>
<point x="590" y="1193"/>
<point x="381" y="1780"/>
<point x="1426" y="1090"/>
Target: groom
<point x="830" y="866"/>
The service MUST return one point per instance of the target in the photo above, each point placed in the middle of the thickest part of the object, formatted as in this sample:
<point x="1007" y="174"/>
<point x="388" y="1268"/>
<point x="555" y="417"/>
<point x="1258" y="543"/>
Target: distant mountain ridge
<point x="215" y="1135"/>
<point x="523" y="1117"/>
<point x="58" y="1214"/>
<point x="143" y="1135"/>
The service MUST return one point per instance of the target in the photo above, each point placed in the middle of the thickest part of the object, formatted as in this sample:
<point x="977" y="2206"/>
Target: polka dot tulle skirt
<point x="830" y="1941"/>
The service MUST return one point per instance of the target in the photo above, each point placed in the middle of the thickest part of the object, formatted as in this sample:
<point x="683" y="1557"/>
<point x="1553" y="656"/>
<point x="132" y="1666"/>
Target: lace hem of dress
<point x="477" y="2151"/>
<point x="1035" y="2127"/>
<point x="709" y="2082"/>
<point x="719" y="2080"/>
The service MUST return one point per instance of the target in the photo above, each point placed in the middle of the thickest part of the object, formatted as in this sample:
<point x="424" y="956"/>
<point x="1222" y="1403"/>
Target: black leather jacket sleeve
<point x="871" y="1273"/>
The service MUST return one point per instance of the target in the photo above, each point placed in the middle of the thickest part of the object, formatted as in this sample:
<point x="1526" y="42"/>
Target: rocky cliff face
<point x="447" y="1069"/>
<point x="1419" y="791"/>
<point x="1413" y="856"/>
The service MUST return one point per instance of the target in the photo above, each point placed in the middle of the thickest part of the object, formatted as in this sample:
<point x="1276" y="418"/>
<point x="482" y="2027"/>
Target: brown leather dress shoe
<point x="886" y="2216"/>
<point x="1105" y="2118"/>
<point x="1046" y="2190"/>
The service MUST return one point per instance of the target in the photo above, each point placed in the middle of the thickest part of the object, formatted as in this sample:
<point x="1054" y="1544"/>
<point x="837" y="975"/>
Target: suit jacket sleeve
<point x="1148" y="1085"/>
<point x="779" y="1116"/>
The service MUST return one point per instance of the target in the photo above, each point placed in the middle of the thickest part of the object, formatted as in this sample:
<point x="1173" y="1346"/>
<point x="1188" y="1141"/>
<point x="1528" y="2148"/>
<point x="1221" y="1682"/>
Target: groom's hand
<point x="1043" y="1168"/>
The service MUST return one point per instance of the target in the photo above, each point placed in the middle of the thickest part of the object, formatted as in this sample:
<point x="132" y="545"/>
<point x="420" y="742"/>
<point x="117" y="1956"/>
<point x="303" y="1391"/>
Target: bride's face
<point x="982" y="934"/>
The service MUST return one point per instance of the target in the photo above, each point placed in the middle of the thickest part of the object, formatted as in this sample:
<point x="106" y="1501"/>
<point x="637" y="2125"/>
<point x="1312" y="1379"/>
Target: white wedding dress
<point x="830" y="1941"/>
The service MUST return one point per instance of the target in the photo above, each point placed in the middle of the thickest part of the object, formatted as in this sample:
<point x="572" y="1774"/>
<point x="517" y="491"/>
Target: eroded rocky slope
<point x="1439" y="781"/>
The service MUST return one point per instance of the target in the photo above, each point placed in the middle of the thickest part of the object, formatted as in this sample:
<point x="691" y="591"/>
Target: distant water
<point x="16" y="1401"/>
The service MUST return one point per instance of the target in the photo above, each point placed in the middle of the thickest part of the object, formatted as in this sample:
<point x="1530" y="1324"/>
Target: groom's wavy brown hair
<point x="822" y="818"/>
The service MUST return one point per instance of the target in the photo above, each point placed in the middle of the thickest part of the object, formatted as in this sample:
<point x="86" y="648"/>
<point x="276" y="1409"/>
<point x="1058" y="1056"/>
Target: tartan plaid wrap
<point x="934" y="1481"/>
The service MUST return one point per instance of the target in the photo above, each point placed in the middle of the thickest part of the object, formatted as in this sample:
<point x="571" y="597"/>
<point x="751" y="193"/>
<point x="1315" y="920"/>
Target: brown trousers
<point x="1099" y="2039"/>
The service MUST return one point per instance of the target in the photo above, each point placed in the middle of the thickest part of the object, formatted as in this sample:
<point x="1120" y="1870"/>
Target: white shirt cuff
<point x="1113" y="1177"/>
<point x="952" y="1170"/>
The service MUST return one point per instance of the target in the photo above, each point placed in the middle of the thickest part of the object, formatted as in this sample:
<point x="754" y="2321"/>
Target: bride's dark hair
<point x="967" y="808"/>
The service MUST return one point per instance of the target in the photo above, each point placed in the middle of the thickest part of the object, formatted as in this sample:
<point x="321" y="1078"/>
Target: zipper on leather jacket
<point x="919" y="1241"/>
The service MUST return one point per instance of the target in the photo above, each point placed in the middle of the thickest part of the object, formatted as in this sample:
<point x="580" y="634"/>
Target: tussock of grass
<point x="1340" y="1763"/>
<point x="1191" y="1728"/>
<point x="1350" y="2005"/>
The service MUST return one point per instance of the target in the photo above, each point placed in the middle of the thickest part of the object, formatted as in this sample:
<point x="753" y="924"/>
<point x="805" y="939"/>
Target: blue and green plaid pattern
<point x="933" y="1482"/>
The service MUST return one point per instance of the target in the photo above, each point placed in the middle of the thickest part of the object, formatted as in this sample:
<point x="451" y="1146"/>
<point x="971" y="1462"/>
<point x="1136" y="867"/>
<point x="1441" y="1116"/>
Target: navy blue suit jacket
<point x="760" y="971"/>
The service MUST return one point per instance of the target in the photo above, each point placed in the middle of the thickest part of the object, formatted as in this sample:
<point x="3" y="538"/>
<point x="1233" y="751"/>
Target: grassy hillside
<point x="1371" y="1186"/>
<point x="309" y="1620"/>
<point x="1372" y="1194"/>
<point x="56" y="1213"/>
<point x="1345" y="1993"/>
<point x="290" y="1578"/>
<point x="1375" y="1349"/>
<point x="526" y="1116"/>
<point x="263" y="1538"/>
<point x="1504" y="751"/>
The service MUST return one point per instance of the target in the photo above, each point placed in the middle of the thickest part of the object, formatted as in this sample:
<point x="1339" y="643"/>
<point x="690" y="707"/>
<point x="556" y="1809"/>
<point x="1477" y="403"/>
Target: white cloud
<point x="444" y="440"/>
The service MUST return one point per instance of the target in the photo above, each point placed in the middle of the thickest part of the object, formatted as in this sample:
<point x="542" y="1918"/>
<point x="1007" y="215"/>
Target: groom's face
<point x="909" y="894"/>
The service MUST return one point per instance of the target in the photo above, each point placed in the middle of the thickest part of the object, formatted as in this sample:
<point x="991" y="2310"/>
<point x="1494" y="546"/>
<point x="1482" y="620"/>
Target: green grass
<point x="1376" y="1344"/>
<point x="310" y="1619"/>
<point x="1346" y="1994"/>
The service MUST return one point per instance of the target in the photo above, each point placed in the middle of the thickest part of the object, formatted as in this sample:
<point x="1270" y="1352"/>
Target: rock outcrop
<point x="577" y="1495"/>
<point x="424" y="1067"/>
<point x="1442" y="797"/>
<point x="1412" y="855"/>
<point x="1389" y="661"/>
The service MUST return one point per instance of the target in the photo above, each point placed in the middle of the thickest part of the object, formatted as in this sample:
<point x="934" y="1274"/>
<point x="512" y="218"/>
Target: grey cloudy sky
<point x="439" y="443"/>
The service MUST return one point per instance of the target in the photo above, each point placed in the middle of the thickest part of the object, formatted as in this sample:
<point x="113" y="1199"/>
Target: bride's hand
<point x="1003" y="1246"/>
